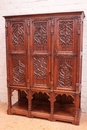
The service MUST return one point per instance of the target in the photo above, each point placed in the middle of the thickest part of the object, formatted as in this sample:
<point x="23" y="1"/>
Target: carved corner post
<point x="29" y="66"/>
<point x="79" y="70"/>
<point x="52" y="68"/>
<point x="7" y="57"/>
<point x="79" y="52"/>
<point x="52" y="50"/>
<point x="28" y="54"/>
<point x="8" y="87"/>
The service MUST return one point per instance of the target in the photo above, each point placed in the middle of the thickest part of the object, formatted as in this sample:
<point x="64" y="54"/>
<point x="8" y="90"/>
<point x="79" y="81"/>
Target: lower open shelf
<point x="64" y="109"/>
<point x="64" y="112"/>
<point x="41" y="106"/>
<point x="20" y="107"/>
<point x="40" y="109"/>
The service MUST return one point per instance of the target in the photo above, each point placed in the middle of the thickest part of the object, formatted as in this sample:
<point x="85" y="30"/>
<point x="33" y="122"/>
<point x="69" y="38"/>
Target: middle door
<point x="40" y="53"/>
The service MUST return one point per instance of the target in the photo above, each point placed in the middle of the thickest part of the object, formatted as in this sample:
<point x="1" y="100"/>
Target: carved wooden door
<point x="40" y="53"/>
<point x="65" y="53"/>
<point x="17" y="54"/>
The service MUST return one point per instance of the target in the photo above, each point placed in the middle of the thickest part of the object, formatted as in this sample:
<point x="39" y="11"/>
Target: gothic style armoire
<point x="44" y="65"/>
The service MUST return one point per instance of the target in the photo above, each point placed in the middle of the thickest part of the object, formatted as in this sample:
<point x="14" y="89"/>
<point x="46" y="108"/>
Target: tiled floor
<point x="15" y="122"/>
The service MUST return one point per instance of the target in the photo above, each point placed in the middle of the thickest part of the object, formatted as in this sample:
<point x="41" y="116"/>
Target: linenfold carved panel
<point x="65" y="33"/>
<point x="18" y="71"/>
<point x="17" y="34"/>
<point x="40" y="67"/>
<point x="40" y="33"/>
<point x="65" y="69"/>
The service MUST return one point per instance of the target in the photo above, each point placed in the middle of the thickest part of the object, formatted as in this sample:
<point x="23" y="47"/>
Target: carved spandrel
<point x="42" y="96"/>
<point x="17" y="34"/>
<point x="65" y="98"/>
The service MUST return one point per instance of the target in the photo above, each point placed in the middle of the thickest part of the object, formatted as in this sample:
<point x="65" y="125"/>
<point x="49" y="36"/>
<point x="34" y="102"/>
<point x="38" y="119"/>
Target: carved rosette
<point x="17" y="34"/>
<point x="65" y="33"/>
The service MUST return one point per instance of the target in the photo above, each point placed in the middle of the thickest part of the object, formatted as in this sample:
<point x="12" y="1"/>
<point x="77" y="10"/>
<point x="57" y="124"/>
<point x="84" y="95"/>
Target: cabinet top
<point x="81" y="13"/>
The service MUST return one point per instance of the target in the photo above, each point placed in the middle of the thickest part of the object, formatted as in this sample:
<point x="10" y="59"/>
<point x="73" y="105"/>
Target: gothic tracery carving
<point x="65" y="33"/>
<point x="17" y="34"/>
<point x="40" y="67"/>
<point x="18" y="72"/>
<point x="40" y="34"/>
<point x="65" y="73"/>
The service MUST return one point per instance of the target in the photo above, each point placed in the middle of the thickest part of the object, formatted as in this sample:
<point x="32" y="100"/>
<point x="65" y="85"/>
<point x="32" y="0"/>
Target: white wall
<point x="12" y="7"/>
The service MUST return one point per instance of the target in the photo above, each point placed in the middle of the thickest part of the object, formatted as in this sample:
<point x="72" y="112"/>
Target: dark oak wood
<point x="44" y="65"/>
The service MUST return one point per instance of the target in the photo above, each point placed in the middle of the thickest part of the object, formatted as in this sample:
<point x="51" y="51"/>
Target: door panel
<point x="41" y="56"/>
<point x="65" y="71"/>
<point x="17" y="35"/>
<point x="17" y="53"/>
<point x="18" y="70"/>
<point x="41" y="71"/>
<point x="65" y="54"/>
<point x="66" y="33"/>
<point x="41" y="38"/>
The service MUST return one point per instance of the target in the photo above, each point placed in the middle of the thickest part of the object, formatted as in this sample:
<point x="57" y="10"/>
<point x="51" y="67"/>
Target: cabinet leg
<point x="52" y="106"/>
<point x="51" y="114"/>
<point x="29" y="104"/>
<point x="9" y="101"/>
<point x="29" y="111"/>
<point x="77" y="117"/>
<point x="77" y="111"/>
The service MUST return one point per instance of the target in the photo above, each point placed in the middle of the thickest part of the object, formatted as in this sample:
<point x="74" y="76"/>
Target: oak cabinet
<point x="44" y="65"/>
